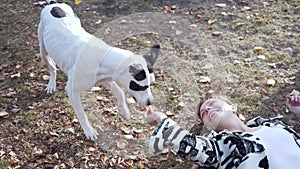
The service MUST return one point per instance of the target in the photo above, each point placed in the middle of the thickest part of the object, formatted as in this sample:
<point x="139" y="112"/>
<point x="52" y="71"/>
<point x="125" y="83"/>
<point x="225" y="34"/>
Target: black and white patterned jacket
<point x="223" y="150"/>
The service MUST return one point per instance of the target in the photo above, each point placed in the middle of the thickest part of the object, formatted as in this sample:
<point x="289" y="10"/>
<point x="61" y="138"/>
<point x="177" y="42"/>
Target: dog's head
<point x="138" y="75"/>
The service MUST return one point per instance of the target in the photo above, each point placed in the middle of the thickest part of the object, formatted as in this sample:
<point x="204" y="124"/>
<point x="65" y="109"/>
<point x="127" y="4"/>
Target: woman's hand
<point x="153" y="118"/>
<point x="293" y="103"/>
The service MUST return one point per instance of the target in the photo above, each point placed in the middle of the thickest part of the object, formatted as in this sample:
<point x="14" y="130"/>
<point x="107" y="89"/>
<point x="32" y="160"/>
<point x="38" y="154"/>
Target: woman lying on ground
<point x="261" y="143"/>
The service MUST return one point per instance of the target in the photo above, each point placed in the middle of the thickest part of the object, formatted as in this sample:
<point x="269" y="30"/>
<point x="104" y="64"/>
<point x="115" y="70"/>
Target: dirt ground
<point x="245" y="50"/>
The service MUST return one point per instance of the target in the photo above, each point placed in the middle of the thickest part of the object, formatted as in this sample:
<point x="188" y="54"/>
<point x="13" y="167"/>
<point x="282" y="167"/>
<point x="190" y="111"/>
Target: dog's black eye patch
<point x="57" y="12"/>
<point x="140" y="76"/>
<point x="136" y="87"/>
<point x="137" y="72"/>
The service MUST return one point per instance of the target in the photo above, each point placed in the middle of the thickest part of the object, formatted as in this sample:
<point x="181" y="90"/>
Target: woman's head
<point x="215" y="111"/>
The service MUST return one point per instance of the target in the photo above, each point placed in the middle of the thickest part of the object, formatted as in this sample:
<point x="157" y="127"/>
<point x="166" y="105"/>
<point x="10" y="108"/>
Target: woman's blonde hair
<point x="198" y="111"/>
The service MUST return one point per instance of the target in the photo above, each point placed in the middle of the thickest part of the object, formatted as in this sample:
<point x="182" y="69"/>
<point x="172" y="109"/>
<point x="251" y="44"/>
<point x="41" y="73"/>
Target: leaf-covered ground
<point x="245" y="50"/>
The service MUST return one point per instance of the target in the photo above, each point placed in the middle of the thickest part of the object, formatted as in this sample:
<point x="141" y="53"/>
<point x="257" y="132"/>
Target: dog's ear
<point x="154" y="51"/>
<point x="137" y="71"/>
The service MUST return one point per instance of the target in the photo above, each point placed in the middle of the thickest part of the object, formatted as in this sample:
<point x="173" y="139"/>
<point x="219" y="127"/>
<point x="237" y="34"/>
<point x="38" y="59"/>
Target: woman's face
<point x="214" y="111"/>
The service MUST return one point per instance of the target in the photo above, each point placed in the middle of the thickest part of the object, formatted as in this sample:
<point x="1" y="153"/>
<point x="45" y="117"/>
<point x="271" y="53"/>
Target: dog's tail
<point x="51" y="1"/>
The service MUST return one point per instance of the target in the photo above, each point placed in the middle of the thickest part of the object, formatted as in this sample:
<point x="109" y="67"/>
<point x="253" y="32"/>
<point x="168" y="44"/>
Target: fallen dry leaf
<point x="258" y="49"/>
<point x="240" y="23"/>
<point x="104" y="159"/>
<point x="2" y="153"/>
<point x="70" y="163"/>
<point x="77" y="2"/>
<point x="217" y="33"/>
<point x="170" y="113"/>
<point x="111" y="15"/>
<point x="211" y="21"/>
<point x="204" y="79"/>
<point x="122" y="143"/>
<point x="71" y="130"/>
<point x="11" y="153"/>
<point x="138" y="131"/>
<point x="271" y="82"/>
<point x="55" y="155"/>
<point x="37" y="151"/>
<point x="17" y="75"/>
<point x="98" y="22"/>
<point x="131" y="100"/>
<point x="178" y="32"/>
<point x="262" y="57"/>
<point x="265" y="91"/>
<point x="95" y="89"/>
<point x="128" y="136"/>
<point x="46" y="77"/>
<point x="129" y="163"/>
<point x="272" y="65"/>
<point x="294" y="93"/>
<point x="246" y="8"/>
<point x="290" y="80"/>
<point x="221" y="5"/>
<point x="4" y="114"/>
<point x="181" y="104"/>
<point x="15" y="161"/>
<point x="112" y="161"/>
<point x="242" y="117"/>
<point x="125" y="129"/>
<point x="224" y="13"/>
<point x="92" y="149"/>
<point x="172" y="22"/>
<point x="32" y="75"/>
<point x="53" y="134"/>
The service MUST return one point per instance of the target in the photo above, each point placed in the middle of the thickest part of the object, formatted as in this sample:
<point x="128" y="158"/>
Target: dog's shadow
<point x="116" y="134"/>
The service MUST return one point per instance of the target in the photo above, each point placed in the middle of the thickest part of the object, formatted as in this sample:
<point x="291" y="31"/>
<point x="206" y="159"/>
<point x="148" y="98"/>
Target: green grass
<point x="4" y="163"/>
<point x="29" y="117"/>
<point x="2" y="99"/>
<point x="25" y="91"/>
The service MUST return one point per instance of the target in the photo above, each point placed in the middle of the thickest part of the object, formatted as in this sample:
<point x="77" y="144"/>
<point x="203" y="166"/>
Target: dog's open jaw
<point x="87" y="60"/>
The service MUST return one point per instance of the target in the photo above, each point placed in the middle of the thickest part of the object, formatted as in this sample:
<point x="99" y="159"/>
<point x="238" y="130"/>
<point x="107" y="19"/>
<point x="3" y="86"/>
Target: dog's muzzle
<point x="148" y="102"/>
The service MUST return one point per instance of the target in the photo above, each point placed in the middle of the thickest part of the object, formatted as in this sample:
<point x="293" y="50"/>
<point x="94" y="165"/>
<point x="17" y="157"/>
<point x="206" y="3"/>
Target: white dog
<point x="87" y="60"/>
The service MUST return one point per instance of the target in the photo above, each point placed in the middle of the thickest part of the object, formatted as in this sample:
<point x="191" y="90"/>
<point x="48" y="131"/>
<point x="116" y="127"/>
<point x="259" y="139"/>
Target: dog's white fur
<point x="87" y="60"/>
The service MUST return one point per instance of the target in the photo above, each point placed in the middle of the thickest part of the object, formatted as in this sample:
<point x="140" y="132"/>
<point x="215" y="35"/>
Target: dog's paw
<point x="90" y="133"/>
<point x="50" y="88"/>
<point x="124" y="111"/>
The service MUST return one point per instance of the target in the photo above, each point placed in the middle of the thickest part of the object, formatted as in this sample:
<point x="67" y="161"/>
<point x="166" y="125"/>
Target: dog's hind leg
<point x="119" y="94"/>
<point x="51" y="87"/>
<point x="75" y="101"/>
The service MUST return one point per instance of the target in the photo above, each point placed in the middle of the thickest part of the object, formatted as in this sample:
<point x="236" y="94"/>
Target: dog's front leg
<point x="75" y="101"/>
<point x="119" y="94"/>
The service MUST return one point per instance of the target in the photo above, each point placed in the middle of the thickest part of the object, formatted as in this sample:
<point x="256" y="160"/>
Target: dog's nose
<point x="149" y="102"/>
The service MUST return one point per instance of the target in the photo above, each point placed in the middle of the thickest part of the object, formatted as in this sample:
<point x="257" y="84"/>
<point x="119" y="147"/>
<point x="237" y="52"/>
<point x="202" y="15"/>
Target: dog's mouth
<point x="134" y="99"/>
<point x="144" y="107"/>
